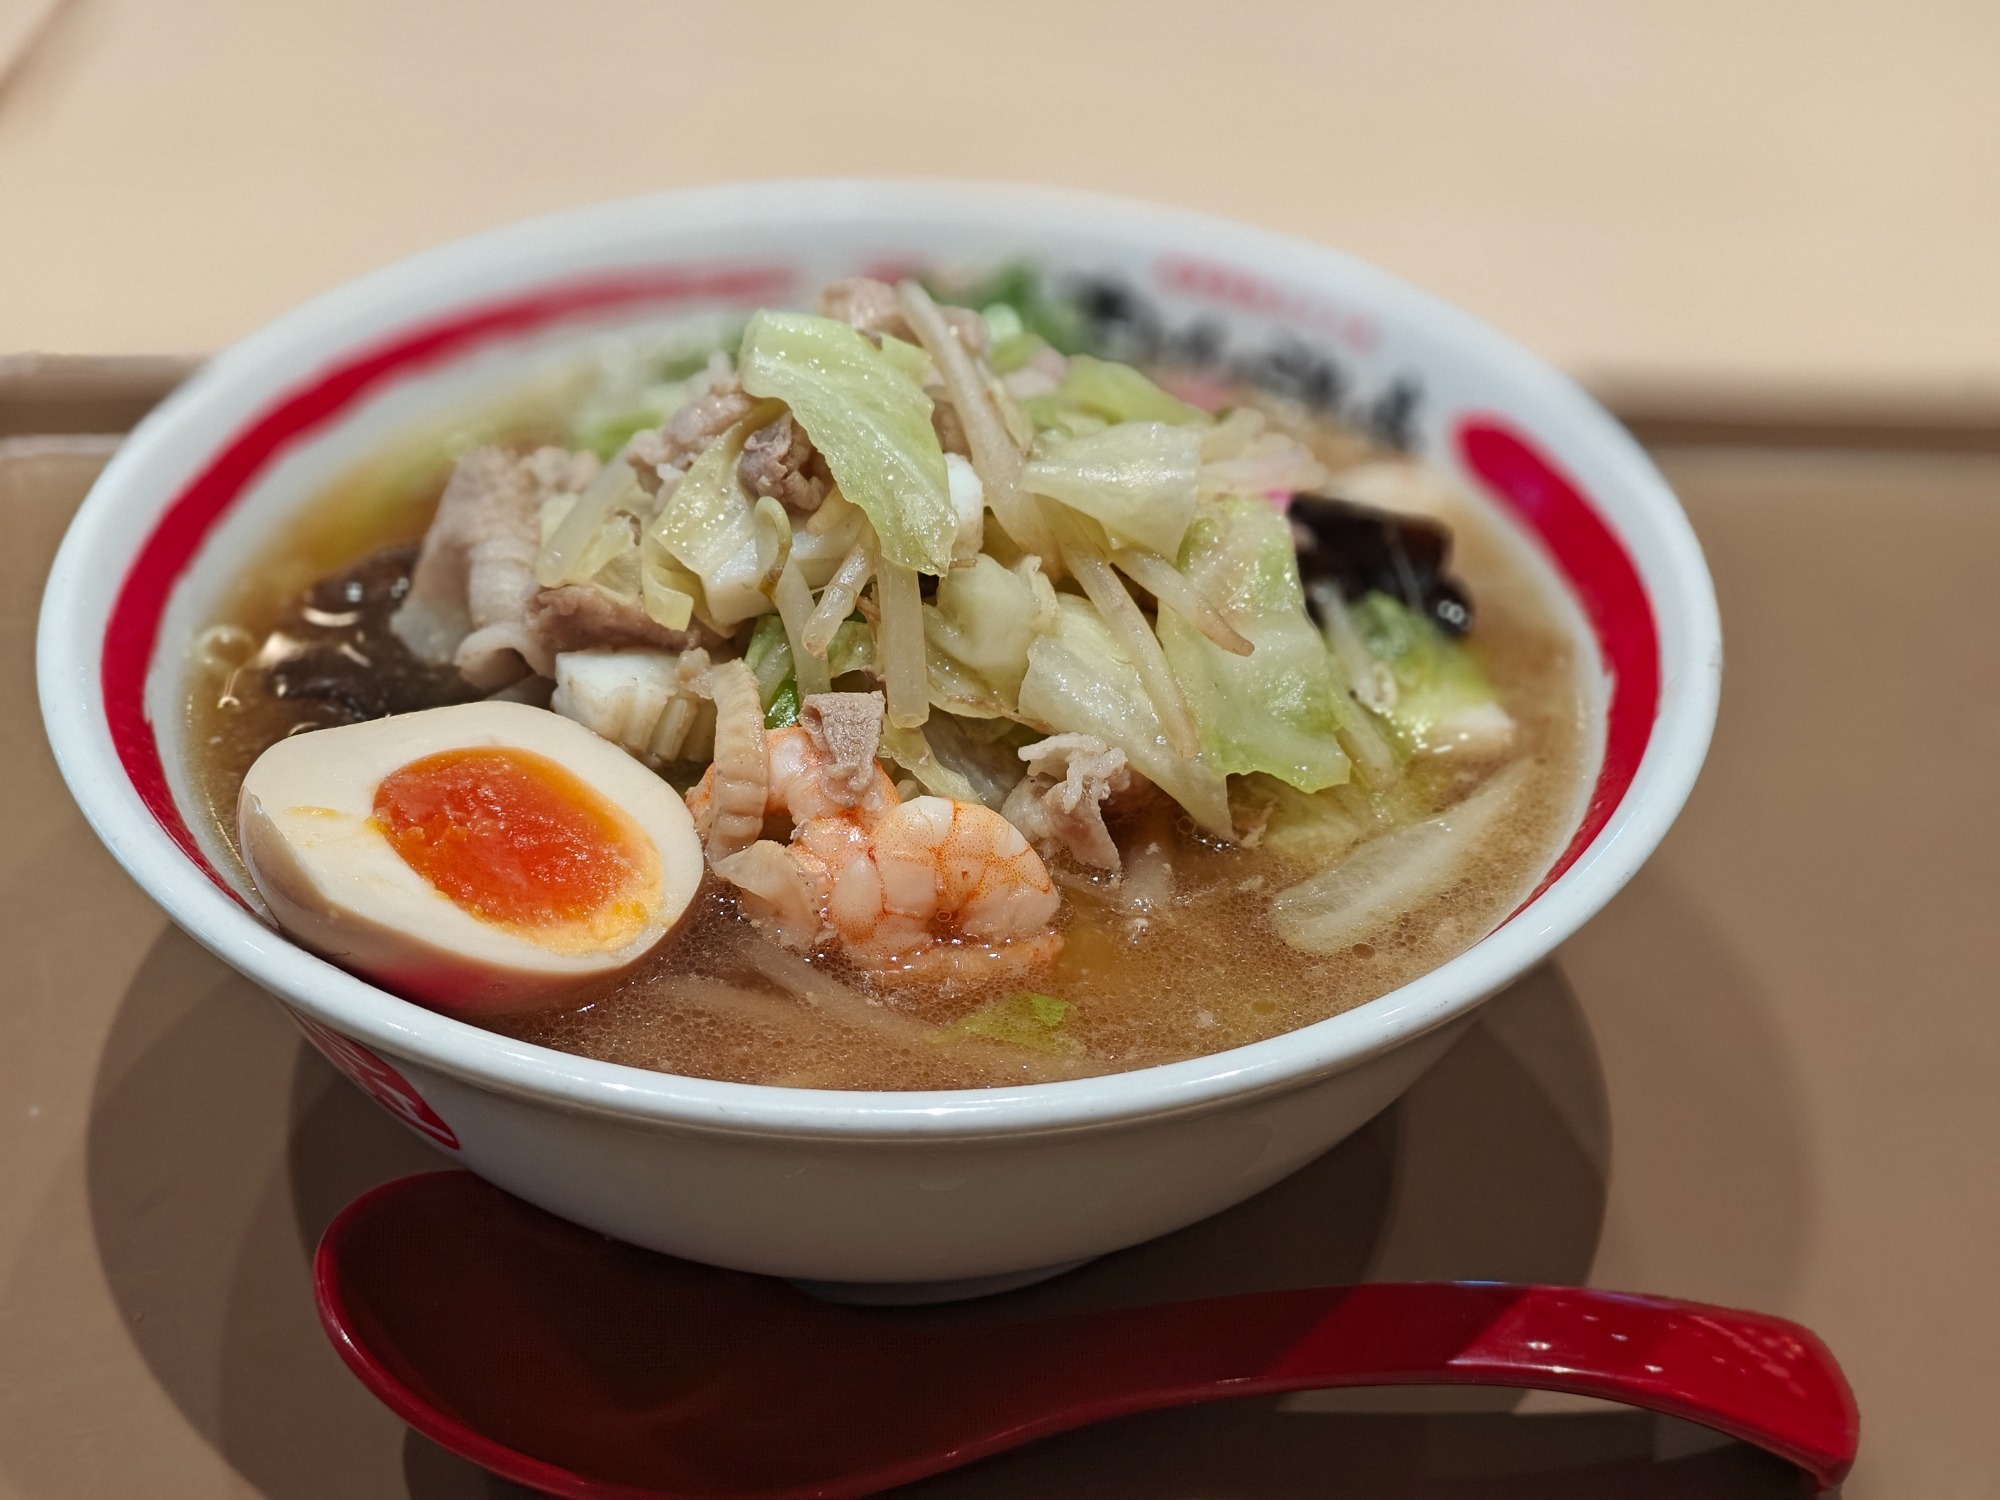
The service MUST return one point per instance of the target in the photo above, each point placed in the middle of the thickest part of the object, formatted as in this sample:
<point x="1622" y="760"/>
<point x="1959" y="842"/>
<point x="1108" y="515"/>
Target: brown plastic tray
<point x="1764" y="1076"/>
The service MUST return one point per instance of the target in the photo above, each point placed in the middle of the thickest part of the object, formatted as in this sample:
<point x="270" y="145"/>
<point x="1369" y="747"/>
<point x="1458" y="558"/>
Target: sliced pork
<point x="1059" y="804"/>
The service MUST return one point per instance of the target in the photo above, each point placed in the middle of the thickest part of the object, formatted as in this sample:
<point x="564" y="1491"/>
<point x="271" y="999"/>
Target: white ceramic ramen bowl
<point x="958" y="1190"/>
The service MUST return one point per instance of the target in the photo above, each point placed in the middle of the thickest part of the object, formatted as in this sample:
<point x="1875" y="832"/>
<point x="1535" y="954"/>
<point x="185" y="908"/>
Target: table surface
<point x="1763" y="1077"/>
<point x="1661" y="195"/>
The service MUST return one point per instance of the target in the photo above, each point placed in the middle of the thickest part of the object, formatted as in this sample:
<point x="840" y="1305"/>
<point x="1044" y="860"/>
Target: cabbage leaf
<point x="1308" y="830"/>
<point x="1105" y="391"/>
<point x="706" y="526"/>
<point x="909" y="749"/>
<point x="666" y="589"/>
<point x="1443" y="702"/>
<point x="1079" y="680"/>
<point x="852" y="648"/>
<point x="1273" y="710"/>
<point x="870" y="421"/>
<point x="983" y="751"/>
<point x="986" y="616"/>
<point x="1026" y="1019"/>
<point x="1139" y="479"/>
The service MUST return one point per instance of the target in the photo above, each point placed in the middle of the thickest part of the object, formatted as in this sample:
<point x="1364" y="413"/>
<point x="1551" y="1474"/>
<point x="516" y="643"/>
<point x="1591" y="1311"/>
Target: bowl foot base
<point x="917" y="1293"/>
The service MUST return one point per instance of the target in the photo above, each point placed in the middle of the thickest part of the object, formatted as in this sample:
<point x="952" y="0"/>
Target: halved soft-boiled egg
<point x="480" y="858"/>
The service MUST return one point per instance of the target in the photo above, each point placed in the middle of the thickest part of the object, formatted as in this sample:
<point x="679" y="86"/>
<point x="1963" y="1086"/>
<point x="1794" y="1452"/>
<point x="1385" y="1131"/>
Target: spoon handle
<point x="1767" y="1381"/>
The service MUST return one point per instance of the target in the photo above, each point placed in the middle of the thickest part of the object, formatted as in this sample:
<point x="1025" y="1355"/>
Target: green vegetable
<point x="666" y="589"/>
<point x="852" y="648"/>
<point x="707" y="526"/>
<point x="1018" y="288"/>
<point x="628" y="401"/>
<point x="1026" y="1019"/>
<point x="1138" y="479"/>
<point x="1006" y="355"/>
<point x="1052" y="415"/>
<point x="1003" y="322"/>
<point x="769" y="658"/>
<point x="1307" y="829"/>
<point x="869" y="420"/>
<point x="905" y="356"/>
<point x="606" y="435"/>
<point x="986" y="616"/>
<point x="783" y="710"/>
<point x="1009" y="344"/>
<point x="769" y="654"/>
<point x="1273" y="710"/>
<point x="1079" y="680"/>
<point x="909" y="749"/>
<point x="1442" y="700"/>
<point x="1113" y="392"/>
<point x="606" y="424"/>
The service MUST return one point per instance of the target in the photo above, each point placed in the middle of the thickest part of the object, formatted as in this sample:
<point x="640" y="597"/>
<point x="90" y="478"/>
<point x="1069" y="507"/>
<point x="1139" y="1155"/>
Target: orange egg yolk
<point x="515" y="838"/>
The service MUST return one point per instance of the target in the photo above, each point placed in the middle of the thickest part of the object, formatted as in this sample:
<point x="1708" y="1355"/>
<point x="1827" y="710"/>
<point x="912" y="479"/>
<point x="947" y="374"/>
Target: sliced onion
<point x="1016" y="421"/>
<point x="558" y="561"/>
<point x="1342" y="906"/>
<point x="828" y="995"/>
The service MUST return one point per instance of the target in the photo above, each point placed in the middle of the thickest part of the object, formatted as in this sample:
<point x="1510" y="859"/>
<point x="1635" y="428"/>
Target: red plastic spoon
<point x="589" y="1369"/>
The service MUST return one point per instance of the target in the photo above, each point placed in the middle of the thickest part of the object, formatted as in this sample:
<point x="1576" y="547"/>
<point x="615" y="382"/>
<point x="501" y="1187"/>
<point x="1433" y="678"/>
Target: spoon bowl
<point x="591" y="1369"/>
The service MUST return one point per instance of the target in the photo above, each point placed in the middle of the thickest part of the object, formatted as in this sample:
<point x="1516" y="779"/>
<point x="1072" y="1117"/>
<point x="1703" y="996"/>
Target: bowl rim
<point x="75" y="615"/>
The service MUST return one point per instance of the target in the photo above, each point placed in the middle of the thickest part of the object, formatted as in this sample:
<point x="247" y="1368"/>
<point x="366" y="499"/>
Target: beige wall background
<point x="1668" y="194"/>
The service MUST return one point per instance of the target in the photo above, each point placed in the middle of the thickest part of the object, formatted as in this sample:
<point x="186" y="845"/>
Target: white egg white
<point x="336" y="884"/>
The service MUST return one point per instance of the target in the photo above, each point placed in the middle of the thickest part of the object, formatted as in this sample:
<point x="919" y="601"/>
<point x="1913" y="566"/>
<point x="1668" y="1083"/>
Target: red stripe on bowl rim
<point x="1602" y="576"/>
<point x="1587" y="553"/>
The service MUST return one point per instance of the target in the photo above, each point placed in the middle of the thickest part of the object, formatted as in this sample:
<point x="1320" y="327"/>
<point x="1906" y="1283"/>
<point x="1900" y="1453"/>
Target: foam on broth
<point x="1208" y="975"/>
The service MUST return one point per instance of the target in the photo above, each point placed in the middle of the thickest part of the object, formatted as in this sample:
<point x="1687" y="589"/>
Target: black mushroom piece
<point x="1360" y="550"/>
<point x="335" y="656"/>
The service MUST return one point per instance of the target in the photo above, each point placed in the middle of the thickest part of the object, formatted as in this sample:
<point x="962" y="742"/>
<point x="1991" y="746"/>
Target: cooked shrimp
<point x="945" y="890"/>
<point x="794" y="785"/>
<point x="783" y="888"/>
<point x="807" y="786"/>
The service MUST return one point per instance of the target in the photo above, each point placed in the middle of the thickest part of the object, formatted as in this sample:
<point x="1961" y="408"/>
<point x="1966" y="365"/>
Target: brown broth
<point x="1207" y="975"/>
